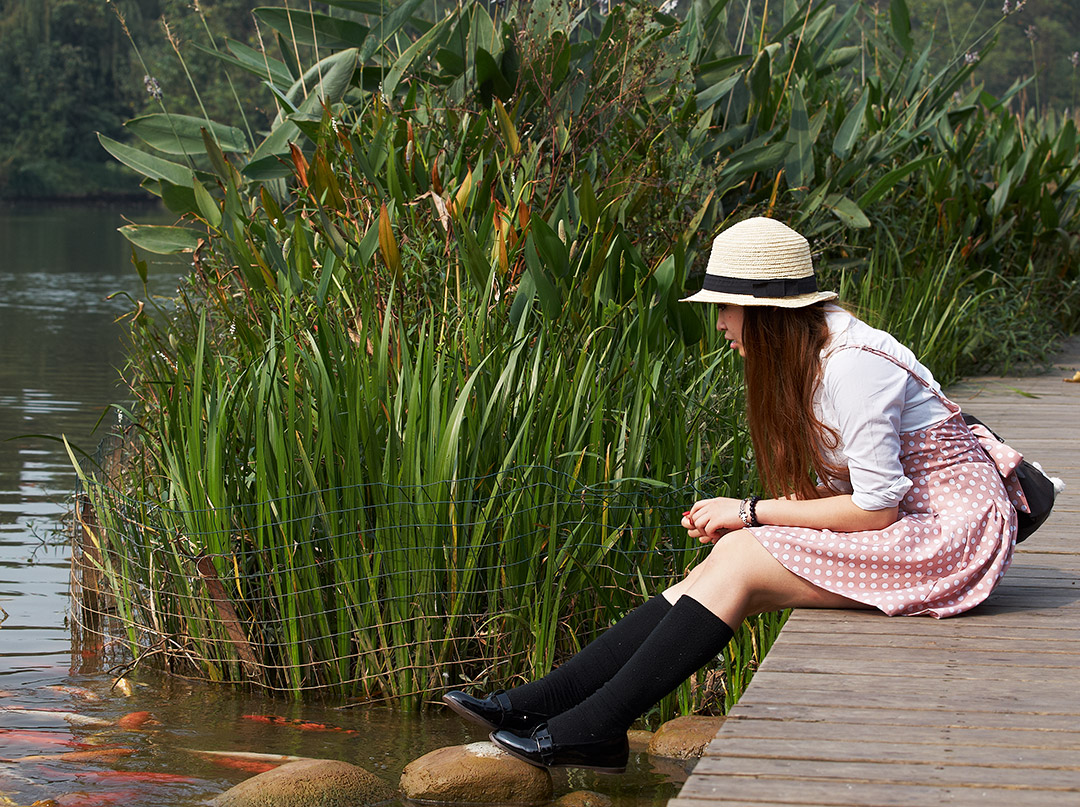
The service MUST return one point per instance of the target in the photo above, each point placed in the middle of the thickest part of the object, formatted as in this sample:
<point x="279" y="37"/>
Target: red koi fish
<point x="136" y="720"/>
<point x="296" y="723"/>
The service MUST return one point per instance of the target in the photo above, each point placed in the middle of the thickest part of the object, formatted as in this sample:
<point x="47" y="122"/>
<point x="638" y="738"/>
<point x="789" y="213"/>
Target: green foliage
<point x="434" y="311"/>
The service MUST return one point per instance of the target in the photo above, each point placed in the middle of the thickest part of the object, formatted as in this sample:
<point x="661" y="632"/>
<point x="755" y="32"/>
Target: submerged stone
<point x="583" y="798"/>
<point x="322" y="782"/>
<point x="639" y="739"/>
<point x="685" y="737"/>
<point x="478" y="773"/>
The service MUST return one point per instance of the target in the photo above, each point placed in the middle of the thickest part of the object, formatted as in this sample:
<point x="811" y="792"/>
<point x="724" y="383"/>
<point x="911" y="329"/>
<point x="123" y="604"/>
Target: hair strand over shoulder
<point x="783" y="368"/>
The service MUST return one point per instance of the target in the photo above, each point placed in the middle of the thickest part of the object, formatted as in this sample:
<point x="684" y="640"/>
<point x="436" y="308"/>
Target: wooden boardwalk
<point x="853" y="708"/>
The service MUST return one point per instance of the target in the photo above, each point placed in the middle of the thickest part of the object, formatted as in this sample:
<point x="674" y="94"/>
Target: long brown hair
<point x="783" y="368"/>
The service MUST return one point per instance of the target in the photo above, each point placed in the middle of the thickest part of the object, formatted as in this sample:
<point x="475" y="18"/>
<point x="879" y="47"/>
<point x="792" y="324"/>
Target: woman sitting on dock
<point x="881" y="497"/>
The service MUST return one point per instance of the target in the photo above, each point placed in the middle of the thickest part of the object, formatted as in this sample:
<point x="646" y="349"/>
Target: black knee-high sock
<point x="687" y="638"/>
<point x="572" y="682"/>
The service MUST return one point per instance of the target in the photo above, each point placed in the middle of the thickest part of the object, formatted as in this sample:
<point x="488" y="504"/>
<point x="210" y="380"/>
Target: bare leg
<point x="740" y="577"/>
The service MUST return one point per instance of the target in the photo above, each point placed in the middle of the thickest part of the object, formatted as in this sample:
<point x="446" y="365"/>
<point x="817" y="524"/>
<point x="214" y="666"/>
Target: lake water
<point x="61" y="351"/>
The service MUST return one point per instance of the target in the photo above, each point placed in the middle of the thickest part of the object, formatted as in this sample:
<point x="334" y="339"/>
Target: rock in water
<point x="684" y="737"/>
<point x="583" y="798"/>
<point x="639" y="739"/>
<point x="478" y="773"/>
<point x="322" y="782"/>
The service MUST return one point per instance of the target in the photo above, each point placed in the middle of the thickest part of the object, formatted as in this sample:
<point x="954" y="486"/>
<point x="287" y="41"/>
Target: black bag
<point x="1037" y="487"/>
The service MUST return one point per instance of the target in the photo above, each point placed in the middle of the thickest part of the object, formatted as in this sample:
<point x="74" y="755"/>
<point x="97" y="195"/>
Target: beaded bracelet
<point x="748" y="511"/>
<point x="753" y="511"/>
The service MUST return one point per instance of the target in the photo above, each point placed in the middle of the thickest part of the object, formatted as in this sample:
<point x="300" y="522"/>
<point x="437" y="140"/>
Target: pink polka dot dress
<point x="951" y="544"/>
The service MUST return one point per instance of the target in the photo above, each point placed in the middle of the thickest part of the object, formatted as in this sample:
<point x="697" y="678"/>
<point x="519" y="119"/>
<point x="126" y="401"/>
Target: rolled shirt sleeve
<point x="863" y="398"/>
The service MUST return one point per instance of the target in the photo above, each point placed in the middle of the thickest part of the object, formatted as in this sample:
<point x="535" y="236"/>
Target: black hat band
<point x="773" y="287"/>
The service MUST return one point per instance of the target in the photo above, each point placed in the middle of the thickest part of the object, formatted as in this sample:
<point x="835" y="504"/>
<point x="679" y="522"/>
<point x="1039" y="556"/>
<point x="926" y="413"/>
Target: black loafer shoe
<point x="537" y="748"/>
<point x="493" y="712"/>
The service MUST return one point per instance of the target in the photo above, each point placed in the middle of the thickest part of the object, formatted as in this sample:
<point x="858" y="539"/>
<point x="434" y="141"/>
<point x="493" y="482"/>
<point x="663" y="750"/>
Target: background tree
<point x="71" y="70"/>
<point x="1037" y="40"/>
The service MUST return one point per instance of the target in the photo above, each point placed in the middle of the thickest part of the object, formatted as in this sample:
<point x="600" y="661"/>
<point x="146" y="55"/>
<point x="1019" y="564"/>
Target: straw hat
<point x="760" y="261"/>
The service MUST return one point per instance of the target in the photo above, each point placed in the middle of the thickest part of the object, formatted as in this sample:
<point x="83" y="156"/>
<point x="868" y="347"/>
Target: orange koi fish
<point x="296" y="723"/>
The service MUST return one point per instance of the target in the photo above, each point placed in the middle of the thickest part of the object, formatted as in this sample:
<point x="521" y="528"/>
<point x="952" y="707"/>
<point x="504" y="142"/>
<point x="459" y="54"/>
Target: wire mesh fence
<point x="374" y="591"/>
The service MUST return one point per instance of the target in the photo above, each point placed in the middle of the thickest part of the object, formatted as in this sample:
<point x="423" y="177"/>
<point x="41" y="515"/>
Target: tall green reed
<point x="501" y="492"/>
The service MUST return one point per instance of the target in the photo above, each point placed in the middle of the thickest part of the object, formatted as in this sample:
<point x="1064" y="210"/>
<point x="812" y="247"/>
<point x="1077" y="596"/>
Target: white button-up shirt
<point x="870" y="402"/>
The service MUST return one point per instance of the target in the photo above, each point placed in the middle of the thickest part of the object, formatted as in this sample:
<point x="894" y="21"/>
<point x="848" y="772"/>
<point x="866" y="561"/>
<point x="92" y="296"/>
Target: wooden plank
<point x="917" y="673"/>
<point x="870" y="658"/>
<point x="746" y="789"/>
<point x="1014" y="615"/>
<point x="1033" y="554"/>
<point x="897" y="751"/>
<point x="1013" y="639"/>
<point x="887" y="773"/>
<point x="907" y="633"/>
<point x="1020" y="724"/>
<point x="738" y="728"/>
<point x="1033" y="596"/>
<point x="850" y="672"/>
<point x="800" y="798"/>
<point x="1056" y="546"/>
<point x="803" y="643"/>
<point x="993" y="695"/>
<point x="1022" y="573"/>
<point x="858" y="795"/>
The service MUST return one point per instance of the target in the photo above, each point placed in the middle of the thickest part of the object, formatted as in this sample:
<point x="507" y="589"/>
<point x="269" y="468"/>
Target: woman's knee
<point x="735" y="550"/>
<point x="739" y="564"/>
<point x="728" y="564"/>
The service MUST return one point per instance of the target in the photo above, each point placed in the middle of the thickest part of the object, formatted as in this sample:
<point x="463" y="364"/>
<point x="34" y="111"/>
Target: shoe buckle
<point x="502" y="700"/>
<point x="545" y="745"/>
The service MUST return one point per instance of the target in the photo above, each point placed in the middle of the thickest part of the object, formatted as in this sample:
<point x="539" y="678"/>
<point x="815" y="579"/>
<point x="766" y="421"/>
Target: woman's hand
<point x="709" y="520"/>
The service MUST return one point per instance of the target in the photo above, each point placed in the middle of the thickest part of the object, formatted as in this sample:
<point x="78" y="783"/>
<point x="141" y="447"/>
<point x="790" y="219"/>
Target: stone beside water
<point x="684" y="737"/>
<point x="325" y="782"/>
<point x="478" y="773"/>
